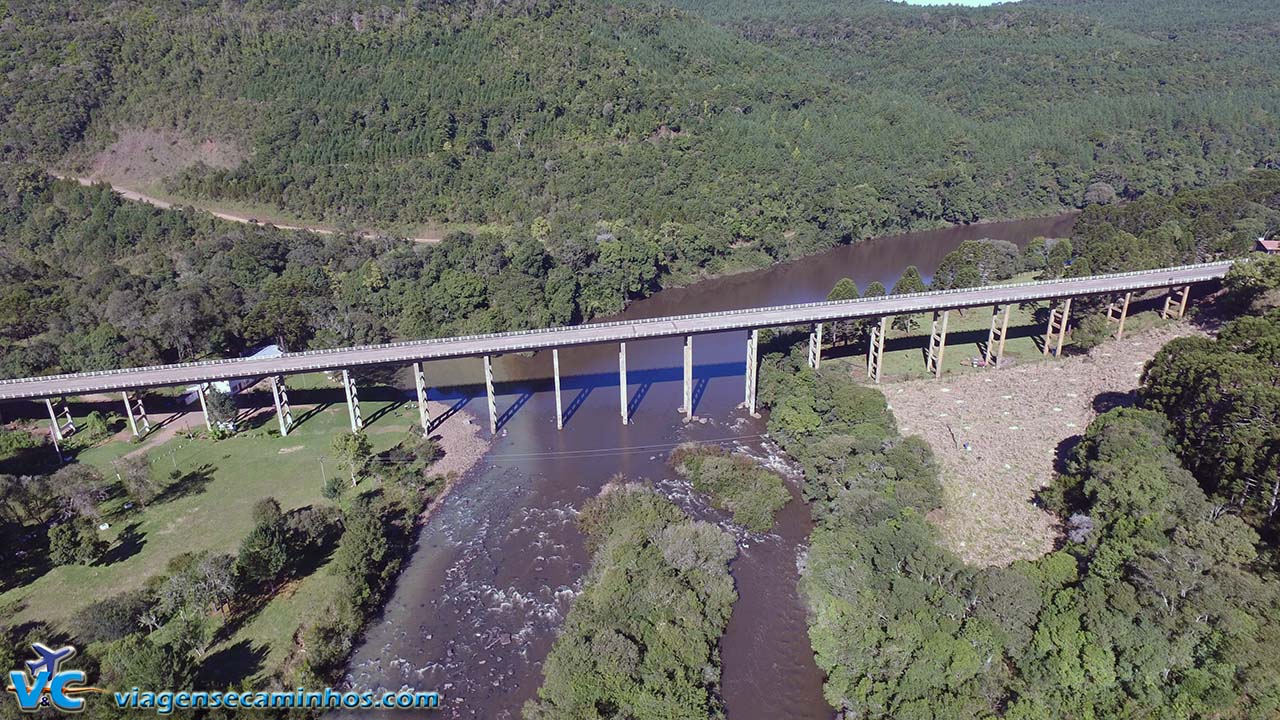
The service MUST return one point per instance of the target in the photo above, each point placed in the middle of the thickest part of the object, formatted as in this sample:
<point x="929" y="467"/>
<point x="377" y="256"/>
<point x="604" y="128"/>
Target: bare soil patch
<point x="141" y="157"/>
<point x="1015" y="423"/>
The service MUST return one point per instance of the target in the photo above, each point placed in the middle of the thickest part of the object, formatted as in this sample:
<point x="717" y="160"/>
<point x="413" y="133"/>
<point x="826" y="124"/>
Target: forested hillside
<point x="739" y="133"/>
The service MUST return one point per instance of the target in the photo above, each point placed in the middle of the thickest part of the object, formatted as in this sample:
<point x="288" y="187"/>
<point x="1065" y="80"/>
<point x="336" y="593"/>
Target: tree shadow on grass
<point x="192" y="483"/>
<point x="1107" y="401"/>
<point x="231" y="665"/>
<point x="128" y="544"/>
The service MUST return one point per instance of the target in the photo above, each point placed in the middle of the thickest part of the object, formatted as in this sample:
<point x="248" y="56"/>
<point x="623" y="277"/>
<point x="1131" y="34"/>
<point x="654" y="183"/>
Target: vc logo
<point x="44" y="683"/>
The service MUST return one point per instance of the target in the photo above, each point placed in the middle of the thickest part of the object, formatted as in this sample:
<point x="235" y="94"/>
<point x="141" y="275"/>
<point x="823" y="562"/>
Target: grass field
<point x="209" y="508"/>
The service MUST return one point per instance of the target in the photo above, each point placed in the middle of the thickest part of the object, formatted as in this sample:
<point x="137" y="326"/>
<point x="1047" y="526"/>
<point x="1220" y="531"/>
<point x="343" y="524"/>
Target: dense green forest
<point x="91" y="281"/>
<point x="1163" y="601"/>
<point x="642" y="640"/>
<point x="728" y="134"/>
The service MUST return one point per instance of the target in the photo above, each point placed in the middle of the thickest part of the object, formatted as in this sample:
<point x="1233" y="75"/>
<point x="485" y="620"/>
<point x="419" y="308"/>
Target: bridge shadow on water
<point x="577" y="388"/>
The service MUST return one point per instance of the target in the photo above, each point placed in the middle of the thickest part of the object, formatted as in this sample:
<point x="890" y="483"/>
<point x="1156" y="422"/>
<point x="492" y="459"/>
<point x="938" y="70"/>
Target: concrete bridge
<point x="1120" y="287"/>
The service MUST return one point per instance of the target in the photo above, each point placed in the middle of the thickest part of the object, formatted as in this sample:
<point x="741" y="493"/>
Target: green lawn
<point x="210" y="509"/>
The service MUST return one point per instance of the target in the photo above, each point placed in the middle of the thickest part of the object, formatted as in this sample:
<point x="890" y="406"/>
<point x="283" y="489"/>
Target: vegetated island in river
<point x="643" y="637"/>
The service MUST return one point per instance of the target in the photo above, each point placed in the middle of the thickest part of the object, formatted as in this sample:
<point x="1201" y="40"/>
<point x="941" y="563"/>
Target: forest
<point x="91" y="281"/>
<point x="726" y="135"/>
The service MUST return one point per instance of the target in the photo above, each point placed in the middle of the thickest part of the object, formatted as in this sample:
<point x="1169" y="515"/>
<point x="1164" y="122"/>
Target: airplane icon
<point x="48" y="659"/>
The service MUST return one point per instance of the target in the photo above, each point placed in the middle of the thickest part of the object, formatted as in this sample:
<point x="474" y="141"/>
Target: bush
<point x="333" y="487"/>
<point x="327" y="643"/>
<point x="363" y="558"/>
<point x="112" y="618"/>
<point x="1091" y="332"/>
<point x="735" y="483"/>
<point x="75" y="542"/>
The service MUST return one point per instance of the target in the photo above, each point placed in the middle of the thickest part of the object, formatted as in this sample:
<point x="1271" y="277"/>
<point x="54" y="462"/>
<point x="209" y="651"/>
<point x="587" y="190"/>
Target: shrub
<point x="735" y="483"/>
<point x="111" y="618"/>
<point x="75" y="542"/>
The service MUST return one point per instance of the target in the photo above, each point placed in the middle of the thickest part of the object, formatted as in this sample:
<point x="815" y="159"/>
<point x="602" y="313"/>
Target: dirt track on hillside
<point x="130" y="194"/>
<point x="1016" y="421"/>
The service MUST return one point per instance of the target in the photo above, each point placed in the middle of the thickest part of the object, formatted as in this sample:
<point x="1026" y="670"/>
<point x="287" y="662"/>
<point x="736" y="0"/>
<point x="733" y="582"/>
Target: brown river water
<point x="497" y="566"/>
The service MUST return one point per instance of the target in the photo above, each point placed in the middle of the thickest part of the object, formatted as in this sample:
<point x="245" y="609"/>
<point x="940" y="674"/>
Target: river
<point x="498" y="564"/>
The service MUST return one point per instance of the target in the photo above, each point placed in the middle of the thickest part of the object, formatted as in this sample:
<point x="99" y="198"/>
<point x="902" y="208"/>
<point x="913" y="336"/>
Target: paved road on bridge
<point x="682" y="325"/>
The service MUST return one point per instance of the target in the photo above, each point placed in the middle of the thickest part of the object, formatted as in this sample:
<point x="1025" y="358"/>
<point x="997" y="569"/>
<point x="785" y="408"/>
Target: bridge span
<point x="1119" y="286"/>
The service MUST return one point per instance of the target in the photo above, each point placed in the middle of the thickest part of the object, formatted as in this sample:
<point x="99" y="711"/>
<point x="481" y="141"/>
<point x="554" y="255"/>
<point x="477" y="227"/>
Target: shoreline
<point x="462" y="431"/>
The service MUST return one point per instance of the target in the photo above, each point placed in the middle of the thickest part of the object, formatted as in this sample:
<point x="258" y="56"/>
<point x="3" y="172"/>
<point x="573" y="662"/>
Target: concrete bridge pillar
<point x="280" y="394"/>
<point x="555" y="366"/>
<point x="996" y="336"/>
<point x="1118" y="311"/>
<point x="424" y="412"/>
<point x="622" y="380"/>
<point x="60" y="423"/>
<point x="1175" y="304"/>
<point x="937" y="342"/>
<point x="875" y="349"/>
<point x="353" y="402"/>
<point x="488" y="388"/>
<point x="136" y="413"/>
<point x="201" y="390"/>
<point x="753" y="370"/>
<point x="1056" y="331"/>
<point x="815" y="346"/>
<point x="686" y="397"/>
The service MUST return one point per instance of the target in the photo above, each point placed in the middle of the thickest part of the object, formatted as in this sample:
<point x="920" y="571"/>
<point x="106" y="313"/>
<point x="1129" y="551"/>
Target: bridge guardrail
<point x="320" y="353"/>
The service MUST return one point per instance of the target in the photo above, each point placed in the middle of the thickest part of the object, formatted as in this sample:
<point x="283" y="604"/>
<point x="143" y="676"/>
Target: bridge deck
<point x="780" y="316"/>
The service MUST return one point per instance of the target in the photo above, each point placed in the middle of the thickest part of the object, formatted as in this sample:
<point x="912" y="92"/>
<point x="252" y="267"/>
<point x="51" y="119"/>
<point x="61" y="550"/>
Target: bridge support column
<point x="424" y="412"/>
<point x="815" y="346"/>
<point x="937" y="342"/>
<point x="60" y="423"/>
<point x="353" y="402"/>
<point x="622" y="381"/>
<point x="1175" y="304"/>
<point x="1056" y="331"/>
<point x="555" y="367"/>
<point x="875" y="349"/>
<point x="996" y="336"/>
<point x="1118" y="311"/>
<point x="201" y="390"/>
<point x="686" y="397"/>
<point x="136" y="412"/>
<point x="488" y="388"/>
<point x="280" y="393"/>
<point x="753" y="370"/>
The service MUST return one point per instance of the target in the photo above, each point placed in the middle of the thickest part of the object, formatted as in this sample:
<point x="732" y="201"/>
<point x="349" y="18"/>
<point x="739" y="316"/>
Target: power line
<point x="620" y="450"/>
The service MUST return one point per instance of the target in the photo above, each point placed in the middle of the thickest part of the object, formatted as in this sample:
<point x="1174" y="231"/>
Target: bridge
<point x="1060" y="293"/>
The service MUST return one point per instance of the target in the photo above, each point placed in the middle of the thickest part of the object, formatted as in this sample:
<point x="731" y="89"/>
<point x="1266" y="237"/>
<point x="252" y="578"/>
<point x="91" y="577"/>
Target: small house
<point x="233" y="387"/>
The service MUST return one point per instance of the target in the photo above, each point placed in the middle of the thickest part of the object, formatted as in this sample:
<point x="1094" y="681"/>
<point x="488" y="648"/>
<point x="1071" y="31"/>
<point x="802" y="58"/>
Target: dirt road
<point x="997" y="435"/>
<point x="130" y="194"/>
